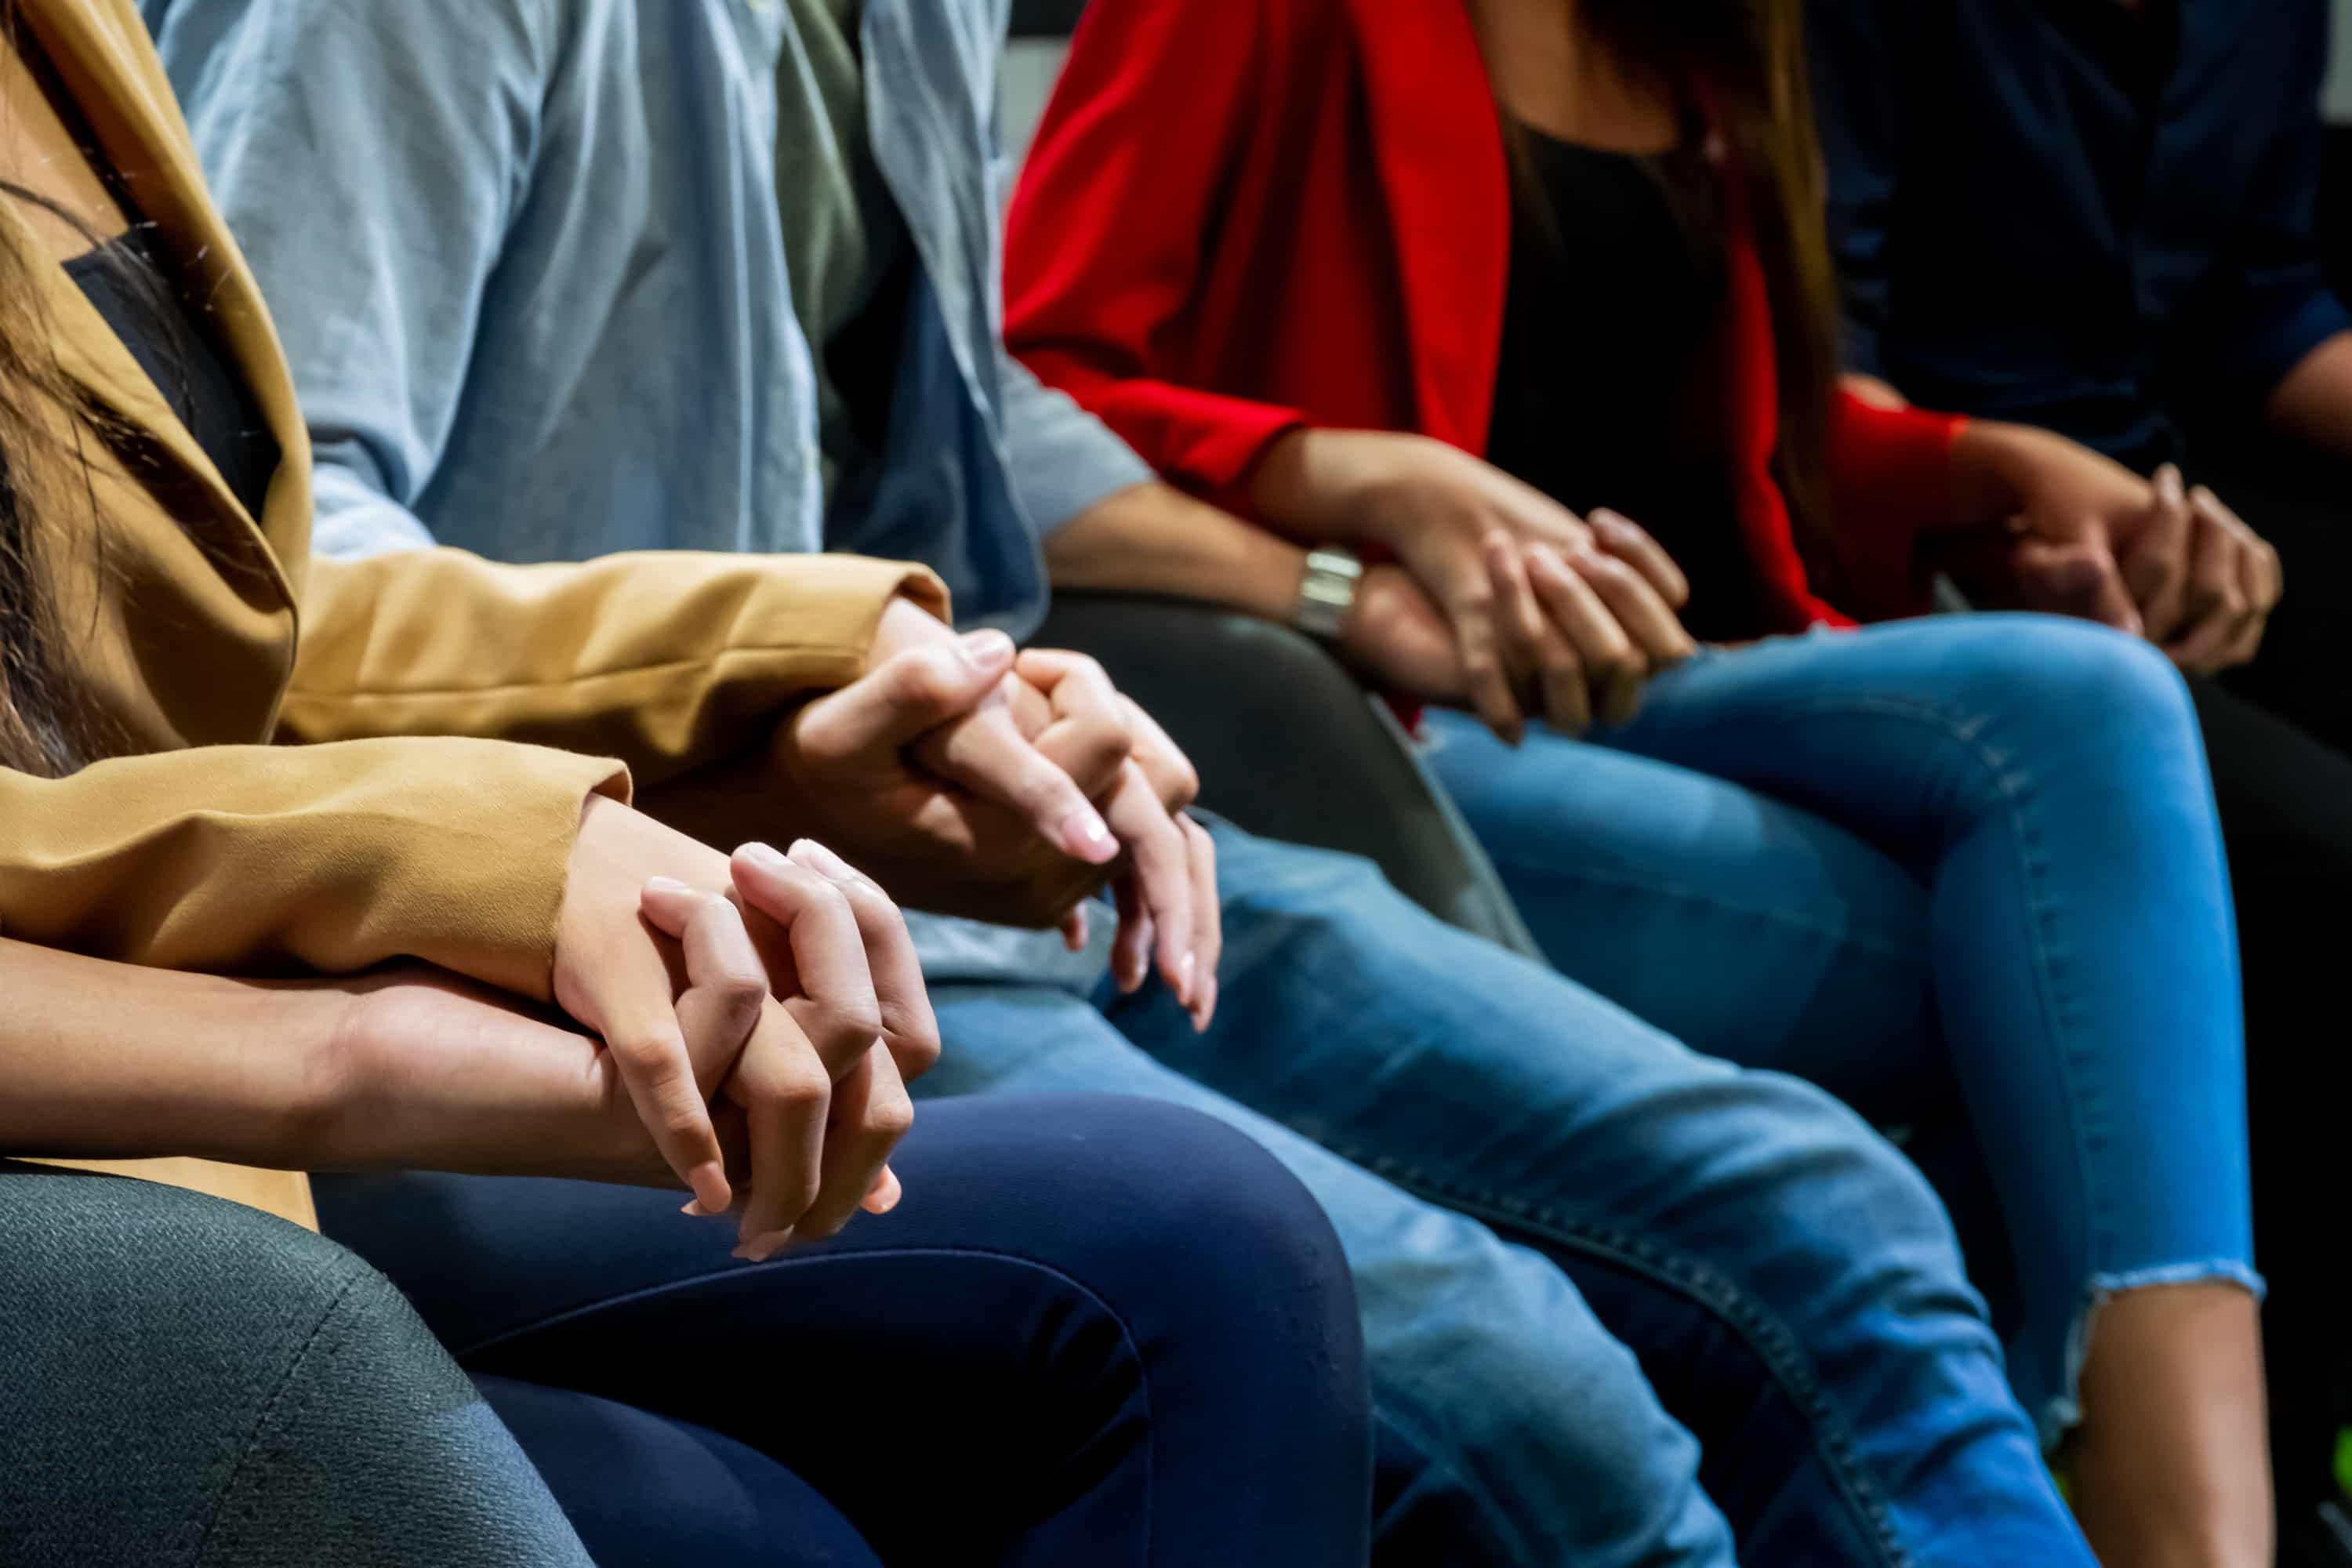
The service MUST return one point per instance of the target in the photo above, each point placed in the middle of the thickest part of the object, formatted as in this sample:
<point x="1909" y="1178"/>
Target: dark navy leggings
<point x="1096" y="1331"/>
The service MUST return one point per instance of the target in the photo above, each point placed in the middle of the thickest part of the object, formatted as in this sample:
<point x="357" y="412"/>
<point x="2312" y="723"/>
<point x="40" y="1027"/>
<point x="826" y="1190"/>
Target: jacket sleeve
<point x="327" y="860"/>
<point x="1890" y="483"/>
<point x="1858" y="101"/>
<point x="666" y="660"/>
<point x="1111" y="215"/>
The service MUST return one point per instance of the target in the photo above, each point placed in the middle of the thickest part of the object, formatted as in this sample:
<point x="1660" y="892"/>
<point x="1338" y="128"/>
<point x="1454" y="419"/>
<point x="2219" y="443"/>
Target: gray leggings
<point x="186" y="1382"/>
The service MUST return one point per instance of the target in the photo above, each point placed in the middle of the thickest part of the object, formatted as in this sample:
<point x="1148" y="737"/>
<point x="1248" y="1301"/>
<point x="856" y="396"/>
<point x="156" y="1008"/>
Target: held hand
<point x="2091" y="539"/>
<point x="1547" y="611"/>
<point x="2205" y="583"/>
<point x="843" y="1025"/>
<point x="1169" y="914"/>
<point x="917" y="771"/>
<point x="613" y="973"/>
<point x="772" y="1012"/>
<point x="932" y="696"/>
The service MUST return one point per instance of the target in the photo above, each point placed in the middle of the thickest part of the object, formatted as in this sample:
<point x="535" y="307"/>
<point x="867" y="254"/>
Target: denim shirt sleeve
<point x="370" y="168"/>
<point x="2272" y="303"/>
<point x="1062" y="459"/>
<point x="1858" y="102"/>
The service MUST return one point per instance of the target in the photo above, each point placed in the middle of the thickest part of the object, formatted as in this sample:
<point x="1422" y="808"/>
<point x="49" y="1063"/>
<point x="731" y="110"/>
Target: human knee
<point x="1165" y="1188"/>
<point x="2083" y="682"/>
<point x="1849" y="1194"/>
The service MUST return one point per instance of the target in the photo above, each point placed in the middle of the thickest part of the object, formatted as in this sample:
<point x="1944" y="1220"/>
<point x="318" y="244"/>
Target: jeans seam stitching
<point x="1962" y="735"/>
<point x="1694" y="895"/>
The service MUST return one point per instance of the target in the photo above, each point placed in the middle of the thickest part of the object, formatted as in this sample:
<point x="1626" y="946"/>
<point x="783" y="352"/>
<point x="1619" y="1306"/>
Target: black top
<point x="1617" y="278"/>
<point x="130" y="283"/>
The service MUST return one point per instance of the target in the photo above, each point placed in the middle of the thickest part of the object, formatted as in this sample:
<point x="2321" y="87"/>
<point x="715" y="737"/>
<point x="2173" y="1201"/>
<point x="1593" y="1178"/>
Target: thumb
<point x="907" y="696"/>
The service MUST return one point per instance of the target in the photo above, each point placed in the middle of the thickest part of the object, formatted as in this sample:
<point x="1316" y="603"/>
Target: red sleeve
<point x="1113" y="214"/>
<point x="1890" y="481"/>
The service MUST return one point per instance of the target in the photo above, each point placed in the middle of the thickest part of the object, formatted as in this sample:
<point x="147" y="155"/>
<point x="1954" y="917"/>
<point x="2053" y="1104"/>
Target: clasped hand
<point x="2157" y="560"/>
<point x="1500" y="599"/>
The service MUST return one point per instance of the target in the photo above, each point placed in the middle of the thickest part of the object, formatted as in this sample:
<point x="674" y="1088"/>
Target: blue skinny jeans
<point x="1096" y="1331"/>
<point x="1961" y="862"/>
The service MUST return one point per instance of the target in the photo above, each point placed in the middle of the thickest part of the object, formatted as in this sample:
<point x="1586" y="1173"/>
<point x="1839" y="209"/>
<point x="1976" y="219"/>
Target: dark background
<point x="1056" y="18"/>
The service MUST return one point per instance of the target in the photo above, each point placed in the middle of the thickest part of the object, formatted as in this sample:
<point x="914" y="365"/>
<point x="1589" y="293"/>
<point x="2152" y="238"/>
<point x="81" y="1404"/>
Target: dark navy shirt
<point x="2055" y="211"/>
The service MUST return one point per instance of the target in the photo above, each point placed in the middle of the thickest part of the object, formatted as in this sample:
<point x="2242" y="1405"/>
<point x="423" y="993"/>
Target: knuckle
<point x="741" y="997"/>
<point x="920" y="680"/>
<point x="1106" y="737"/>
<point x="799" y="1084"/>
<point x="890" y="1118"/>
<point x="651" y="1052"/>
<point x="918" y="1052"/>
<point x="842" y="1031"/>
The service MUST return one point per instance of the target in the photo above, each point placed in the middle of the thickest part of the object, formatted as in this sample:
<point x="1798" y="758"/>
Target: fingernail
<point x="824" y="861"/>
<point x="710" y="1190"/>
<point x="986" y="650"/>
<point x="1186" y="967"/>
<point x="764" y="856"/>
<point x="2168" y="483"/>
<point x="666" y="885"/>
<point x="1090" y="836"/>
<point x="762" y="1248"/>
<point x="886" y="1194"/>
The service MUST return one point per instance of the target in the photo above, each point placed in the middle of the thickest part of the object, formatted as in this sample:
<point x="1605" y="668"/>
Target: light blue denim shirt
<point x="526" y="259"/>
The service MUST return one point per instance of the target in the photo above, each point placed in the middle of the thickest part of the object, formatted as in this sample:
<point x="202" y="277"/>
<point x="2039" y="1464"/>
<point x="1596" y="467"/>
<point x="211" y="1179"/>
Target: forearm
<point x="405" y="1071"/>
<point x="1154" y="539"/>
<point x="1322" y="486"/>
<point x="2314" y="404"/>
<point x="1993" y="466"/>
<point x="108" y="1060"/>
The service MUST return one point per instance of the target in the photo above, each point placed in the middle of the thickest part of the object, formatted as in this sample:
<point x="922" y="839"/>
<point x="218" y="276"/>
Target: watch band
<point x="1327" y="592"/>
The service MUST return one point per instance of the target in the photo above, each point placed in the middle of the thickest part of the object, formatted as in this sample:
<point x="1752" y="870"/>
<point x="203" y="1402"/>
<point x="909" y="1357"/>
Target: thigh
<point x="1506" y="1408"/>
<point x="185" y="1379"/>
<point x="647" y="1492"/>
<point x="1082" y="1305"/>
<point x="1721" y="1221"/>
<point x="1745" y="927"/>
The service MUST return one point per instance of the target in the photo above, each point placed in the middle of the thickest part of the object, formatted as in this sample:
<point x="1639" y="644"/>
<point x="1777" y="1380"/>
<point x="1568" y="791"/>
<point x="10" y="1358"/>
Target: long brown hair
<point x="44" y="729"/>
<point x="48" y="503"/>
<point x="1747" y="58"/>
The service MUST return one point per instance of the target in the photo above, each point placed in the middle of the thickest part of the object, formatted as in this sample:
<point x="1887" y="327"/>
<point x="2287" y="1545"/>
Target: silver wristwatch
<point x="1327" y="592"/>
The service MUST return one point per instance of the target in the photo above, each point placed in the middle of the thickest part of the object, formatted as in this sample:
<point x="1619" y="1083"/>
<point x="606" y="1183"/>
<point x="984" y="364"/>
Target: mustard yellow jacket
<point x="299" y="801"/>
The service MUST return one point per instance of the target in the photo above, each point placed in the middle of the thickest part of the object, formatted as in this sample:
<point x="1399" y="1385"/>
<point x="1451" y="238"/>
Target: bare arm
<point x="2314" y="404"/>
<point x="1154" y="539"/>
<point x="404" y="1070"/>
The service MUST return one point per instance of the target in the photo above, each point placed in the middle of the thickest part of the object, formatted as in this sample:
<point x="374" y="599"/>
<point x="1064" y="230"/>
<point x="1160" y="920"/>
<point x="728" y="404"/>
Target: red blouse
<point x="1244" y="217"/>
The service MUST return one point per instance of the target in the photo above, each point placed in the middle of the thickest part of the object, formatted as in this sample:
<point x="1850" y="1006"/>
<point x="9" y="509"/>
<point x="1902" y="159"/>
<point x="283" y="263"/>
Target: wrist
<point x="1330" y="487"/>
<point x="1993" y="469"/>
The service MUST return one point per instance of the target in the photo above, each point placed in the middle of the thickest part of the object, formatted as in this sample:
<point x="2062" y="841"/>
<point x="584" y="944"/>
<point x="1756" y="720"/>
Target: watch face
<point x="1327" y="593"/>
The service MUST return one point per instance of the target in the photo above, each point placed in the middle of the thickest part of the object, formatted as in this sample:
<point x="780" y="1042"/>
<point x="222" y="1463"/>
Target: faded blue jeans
<point x="1967" y="863"/>
<point x="1623" y="1304"/>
